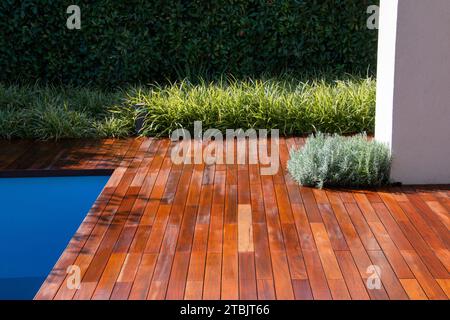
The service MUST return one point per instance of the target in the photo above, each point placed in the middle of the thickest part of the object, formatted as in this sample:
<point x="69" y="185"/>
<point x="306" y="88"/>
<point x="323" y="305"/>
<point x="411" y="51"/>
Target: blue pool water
<point x="38" y="217"/>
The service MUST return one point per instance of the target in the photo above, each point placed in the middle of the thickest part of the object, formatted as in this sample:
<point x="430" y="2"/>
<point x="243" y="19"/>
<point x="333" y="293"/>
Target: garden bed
<point x="290" y="105"/>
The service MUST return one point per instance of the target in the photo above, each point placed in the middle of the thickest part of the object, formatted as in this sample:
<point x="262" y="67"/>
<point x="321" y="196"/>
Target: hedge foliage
<point x="142" y="41"/>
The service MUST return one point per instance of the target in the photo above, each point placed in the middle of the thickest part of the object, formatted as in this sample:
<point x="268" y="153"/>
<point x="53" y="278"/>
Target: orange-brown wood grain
<point x="161" y="230"/>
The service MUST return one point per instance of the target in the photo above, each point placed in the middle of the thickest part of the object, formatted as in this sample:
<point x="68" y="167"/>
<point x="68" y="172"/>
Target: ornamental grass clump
<point x="337" y="161"/>
<point x="293" y="106"/>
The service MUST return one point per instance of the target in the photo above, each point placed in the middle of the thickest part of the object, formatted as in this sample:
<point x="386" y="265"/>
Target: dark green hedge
<point x="146" y="40"/>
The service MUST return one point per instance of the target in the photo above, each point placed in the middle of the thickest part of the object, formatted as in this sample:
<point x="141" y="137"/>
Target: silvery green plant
<point x="334" y="160"/>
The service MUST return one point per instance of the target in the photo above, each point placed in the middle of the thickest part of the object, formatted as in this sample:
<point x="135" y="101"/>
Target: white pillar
<point x="413" y="89"/>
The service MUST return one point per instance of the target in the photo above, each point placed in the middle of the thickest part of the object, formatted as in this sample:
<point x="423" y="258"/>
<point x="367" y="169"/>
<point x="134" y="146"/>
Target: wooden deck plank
<point x="109" y="277"/>
<point x="296" y="262"/>
<point x="365" y="234"/>
<point x="161" y="230"/>
<point x="212" y="281"/>
<point x="425" y="211"/>
<point x="391" y="252"/>
<point x="262" y="252"/>
<point x="355" y="284"/>
<point x="413" y="289"/>
<point x="266" y="289"/>
<point x="326" y="253"/>
<point x="311" y="257"/>
<point x="126" y="277"/>
<point x="246" y="249"/>
<point x="352" y="238"/>
<point x="445" y="285"/>
<point x="302" y="289"/>
<point x="230" y="276"/>
<point x="144" y="273"/>
<point x="335" y="234"/>
<point x="423" y="275"/>
<point x="414" y="237"/>
<point x="388" y="278"/>
<point x="433" y="238"/>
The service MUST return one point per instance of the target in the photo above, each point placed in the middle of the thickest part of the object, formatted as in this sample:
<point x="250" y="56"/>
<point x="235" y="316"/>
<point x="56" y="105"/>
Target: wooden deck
<point x="164" y="231"/>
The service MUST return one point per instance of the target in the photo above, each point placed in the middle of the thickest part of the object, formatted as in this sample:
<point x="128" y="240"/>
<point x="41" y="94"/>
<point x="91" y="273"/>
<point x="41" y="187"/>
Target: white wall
<point x="413" y="89"/>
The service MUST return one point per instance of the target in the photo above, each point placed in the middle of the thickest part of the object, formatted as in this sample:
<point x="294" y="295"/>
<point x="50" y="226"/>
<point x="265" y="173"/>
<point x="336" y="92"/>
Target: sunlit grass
<point x="292" y="106"/>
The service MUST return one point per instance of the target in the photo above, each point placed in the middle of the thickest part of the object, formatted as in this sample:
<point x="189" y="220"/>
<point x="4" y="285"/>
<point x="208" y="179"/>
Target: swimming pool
<point x="39" y="216"/>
